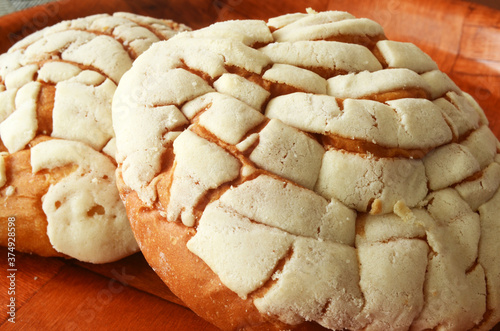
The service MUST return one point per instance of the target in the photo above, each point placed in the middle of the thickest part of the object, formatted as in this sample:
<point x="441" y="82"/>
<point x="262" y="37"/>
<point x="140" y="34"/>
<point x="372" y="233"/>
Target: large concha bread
<point x="57" y="166"/>
<point x="307" y="169"/>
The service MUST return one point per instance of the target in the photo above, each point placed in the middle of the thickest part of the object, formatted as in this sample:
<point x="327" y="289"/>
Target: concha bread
<point x="308" y="169"/>
<point x="57" y="166"/>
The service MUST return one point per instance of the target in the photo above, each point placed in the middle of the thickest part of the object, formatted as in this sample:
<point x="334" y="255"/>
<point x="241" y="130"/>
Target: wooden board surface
<point x="55" y="294"/>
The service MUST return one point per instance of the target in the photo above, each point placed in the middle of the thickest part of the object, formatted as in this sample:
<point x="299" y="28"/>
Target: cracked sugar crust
<point x="57" y="145"/>
<point x="314" y="171"/>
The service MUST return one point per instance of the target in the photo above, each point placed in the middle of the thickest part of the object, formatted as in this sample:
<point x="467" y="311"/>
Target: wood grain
<point x="33" y="273"/>
<point x="52" y="293"/>
<point x="135" y="272"/>
<point x="77" y="299"/>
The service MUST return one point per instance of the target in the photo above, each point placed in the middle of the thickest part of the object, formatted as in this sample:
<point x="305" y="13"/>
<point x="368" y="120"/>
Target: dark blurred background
<point x="9" y="6"/>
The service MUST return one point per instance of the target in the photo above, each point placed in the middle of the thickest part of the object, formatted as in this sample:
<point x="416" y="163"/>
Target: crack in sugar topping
<point x="57" y="137"/>
<point x="311" y="152"/>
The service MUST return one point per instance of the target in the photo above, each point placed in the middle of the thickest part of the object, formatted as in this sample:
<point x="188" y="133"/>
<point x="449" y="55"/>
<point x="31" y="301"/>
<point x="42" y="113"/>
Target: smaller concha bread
<point x="57" y="145"/>
<point x="307" y="169"/>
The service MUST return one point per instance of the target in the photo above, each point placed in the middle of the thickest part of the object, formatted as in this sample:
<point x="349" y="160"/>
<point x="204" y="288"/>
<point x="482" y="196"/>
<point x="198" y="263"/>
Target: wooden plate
<point x="462" y="37"/>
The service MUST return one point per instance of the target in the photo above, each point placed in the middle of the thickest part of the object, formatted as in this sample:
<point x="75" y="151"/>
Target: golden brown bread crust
<point x="173" y="262"/>
<point x="25" y="203"/>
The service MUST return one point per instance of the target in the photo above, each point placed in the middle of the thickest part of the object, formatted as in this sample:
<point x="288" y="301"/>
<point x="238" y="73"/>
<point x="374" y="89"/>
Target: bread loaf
<point x="57" y="167"/>
<point x="307" y="169"/>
